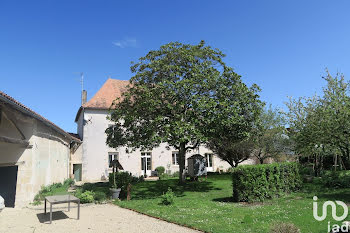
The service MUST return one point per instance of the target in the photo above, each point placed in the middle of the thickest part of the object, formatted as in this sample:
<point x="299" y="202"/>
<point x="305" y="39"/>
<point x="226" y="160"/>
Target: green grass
<point x="208" y="206"/>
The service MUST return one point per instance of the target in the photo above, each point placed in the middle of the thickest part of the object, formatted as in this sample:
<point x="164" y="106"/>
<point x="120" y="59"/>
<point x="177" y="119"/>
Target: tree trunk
<point x="261" y="160"/>
<point x="182" y="153"/>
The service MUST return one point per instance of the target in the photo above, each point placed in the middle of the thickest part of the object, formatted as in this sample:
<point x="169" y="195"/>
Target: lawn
<point x="208" y="206"/>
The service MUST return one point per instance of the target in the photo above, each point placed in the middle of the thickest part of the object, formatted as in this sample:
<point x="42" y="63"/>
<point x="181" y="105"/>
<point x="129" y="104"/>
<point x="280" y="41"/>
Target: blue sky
<point x="283" y="46"/>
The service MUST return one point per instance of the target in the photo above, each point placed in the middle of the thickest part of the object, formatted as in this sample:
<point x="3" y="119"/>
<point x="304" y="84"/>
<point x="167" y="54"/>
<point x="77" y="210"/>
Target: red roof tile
<point x="110" y="90"/>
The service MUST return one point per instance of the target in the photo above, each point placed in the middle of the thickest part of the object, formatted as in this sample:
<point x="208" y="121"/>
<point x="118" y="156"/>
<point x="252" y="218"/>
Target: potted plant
<point x="114" y="189"/>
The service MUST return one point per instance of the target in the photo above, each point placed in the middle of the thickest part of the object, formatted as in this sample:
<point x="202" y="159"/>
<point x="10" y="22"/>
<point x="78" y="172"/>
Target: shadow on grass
<point x="154" y="189"/>
<point x="225" y="199"/>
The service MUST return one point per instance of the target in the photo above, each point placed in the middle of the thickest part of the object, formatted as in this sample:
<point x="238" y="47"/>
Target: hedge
<point x="259" y="182"/>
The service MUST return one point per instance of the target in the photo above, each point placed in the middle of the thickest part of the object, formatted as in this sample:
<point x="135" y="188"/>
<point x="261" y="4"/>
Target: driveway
<point x="93" y="218"/>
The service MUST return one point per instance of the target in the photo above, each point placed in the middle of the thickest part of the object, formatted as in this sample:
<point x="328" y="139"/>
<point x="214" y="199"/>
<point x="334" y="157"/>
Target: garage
<point x="8" y="181"/>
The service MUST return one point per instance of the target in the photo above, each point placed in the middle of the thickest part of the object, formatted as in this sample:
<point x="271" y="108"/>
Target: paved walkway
<point x="93" y="218"/>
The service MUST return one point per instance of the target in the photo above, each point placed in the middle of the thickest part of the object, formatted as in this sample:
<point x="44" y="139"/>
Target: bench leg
<point x="68" y="205"/>
<point x="45" y="206"/>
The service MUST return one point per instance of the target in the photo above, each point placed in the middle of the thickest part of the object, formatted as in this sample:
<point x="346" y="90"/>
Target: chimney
<point x="83" y="97"/>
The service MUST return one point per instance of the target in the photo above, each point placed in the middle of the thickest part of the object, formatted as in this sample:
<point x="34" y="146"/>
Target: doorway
<point x="146" y="163"/>
<point x="8" y="184"/>
<point x="77" y="171"/>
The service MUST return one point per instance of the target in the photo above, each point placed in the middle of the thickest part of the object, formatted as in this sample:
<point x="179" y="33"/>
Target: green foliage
<point x="230" y="151"/>
<point x="336" y="179"/>
<point x="88" y="187"/>
<point x="85" y="197"/>
<point x="168" y="198"/>
<point x="175" y="174"/>
<point x="100" y="196"/>
<point x="122" y="180"/>
<point x="182" y="95"/>
<point x="259" y="182"/>
<point x="53" y="189"/>
<point x="284" y="228"/>
<point x="68" y="182"/>
<point x="270" y="139"/>
<point x="160" y="170"/>
<point x="320" y="125"/>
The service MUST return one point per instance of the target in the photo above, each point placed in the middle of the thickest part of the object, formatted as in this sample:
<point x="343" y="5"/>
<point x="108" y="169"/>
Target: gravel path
<point x="93" y="218"/>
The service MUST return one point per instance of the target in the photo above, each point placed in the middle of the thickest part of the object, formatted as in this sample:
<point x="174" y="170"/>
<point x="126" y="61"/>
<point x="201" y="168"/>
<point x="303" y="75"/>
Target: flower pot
<point x="115" y="193"/>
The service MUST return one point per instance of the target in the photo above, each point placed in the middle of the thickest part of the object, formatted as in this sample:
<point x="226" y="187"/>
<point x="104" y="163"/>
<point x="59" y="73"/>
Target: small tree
<point x="320" y="125"/>
<point x="271" y="138"/>
<point x="182" y="95"/>
<point x="232" y="152"/>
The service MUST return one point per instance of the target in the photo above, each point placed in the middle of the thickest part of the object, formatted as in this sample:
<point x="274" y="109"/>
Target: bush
<point x="258" y="182"/>
<point x="68" y="182"/>
<point x="123" y="179"/>
<point x="85" y="197"/>
<point x="55" y="188"/>
<point x="88" y="187"/>
<point x="100" y="196"/>
<point x="160" y="170"/>
<point x="176" y="174"/>
<point x="284" y="228"/>
<point x="336" y="179"/>
<point x="168" y="198"/>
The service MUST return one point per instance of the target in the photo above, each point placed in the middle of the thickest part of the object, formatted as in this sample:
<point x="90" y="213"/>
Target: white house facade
<point x="92" y="122"/>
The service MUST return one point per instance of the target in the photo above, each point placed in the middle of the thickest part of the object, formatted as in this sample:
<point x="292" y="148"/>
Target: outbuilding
<point x="33" y="152"/>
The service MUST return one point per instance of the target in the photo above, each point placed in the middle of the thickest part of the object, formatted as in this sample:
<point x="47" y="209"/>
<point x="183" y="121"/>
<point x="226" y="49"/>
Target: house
<point x="92" y="122"/>
<point x="33" y="152"/>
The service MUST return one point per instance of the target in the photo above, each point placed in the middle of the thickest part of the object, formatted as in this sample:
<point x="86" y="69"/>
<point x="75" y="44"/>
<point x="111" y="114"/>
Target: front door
<point x="146" y="163"/>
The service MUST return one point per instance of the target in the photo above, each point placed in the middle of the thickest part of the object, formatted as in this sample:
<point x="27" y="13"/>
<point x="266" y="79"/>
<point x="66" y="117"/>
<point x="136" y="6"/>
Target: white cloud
<point x="127" y="42"/>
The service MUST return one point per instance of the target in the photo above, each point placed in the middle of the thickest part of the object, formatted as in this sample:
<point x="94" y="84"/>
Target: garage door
<point x="8" y="181"/>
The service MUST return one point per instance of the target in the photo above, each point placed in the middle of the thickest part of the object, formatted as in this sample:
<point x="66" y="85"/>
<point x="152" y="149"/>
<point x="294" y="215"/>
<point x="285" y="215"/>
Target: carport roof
<point x="24" y="109"/>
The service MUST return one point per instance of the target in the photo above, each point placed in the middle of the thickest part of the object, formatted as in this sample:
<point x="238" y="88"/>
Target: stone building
<point x="33" y="152"/>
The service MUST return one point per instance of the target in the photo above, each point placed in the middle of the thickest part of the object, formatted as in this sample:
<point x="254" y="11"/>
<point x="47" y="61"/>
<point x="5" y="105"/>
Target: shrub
<point x="85" y="197"/>
<point x="68" y="182"/>
<point x="258" y="182"/>
<point x="284" y="228"/>
<point x="336" y="179"/>
<point x="100" y="196"/>
<point x="160" y="170"/>
<point x="168" y="198"/>
<point x="176" y="174"/>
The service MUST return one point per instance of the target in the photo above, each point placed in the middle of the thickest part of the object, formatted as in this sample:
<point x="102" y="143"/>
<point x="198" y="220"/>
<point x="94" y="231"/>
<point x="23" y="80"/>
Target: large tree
<point x="182" y="95"/>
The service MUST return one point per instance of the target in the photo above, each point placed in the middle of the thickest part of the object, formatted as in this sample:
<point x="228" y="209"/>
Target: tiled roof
<point x="110" y="90"/>
<point x="19" y="106"/>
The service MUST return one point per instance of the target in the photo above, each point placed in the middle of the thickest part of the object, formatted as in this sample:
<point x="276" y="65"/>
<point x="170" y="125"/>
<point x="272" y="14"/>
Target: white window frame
<point x="207" y="155"/>
<point x="175" y="161"/>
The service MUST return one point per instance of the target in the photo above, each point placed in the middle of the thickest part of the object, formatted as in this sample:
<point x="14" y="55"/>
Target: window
<point x="175" y="158"/>
<point x="112" y="156"/>
<point x="146" y="161"/>
<point x="209" y="158"/>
